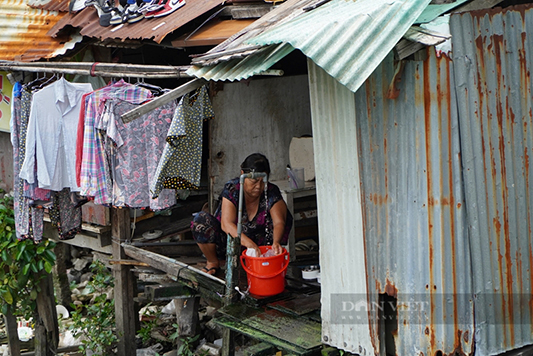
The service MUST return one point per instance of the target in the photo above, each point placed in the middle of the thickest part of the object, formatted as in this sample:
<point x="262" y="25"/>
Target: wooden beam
<point x="124" y="284"/>
<point x="175" y="268"/>
<point x="163" y="99"/>
<point x="99" y="69"/>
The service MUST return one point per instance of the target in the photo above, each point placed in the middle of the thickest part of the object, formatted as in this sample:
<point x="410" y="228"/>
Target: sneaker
<point x="151" y="7"/>
<point x="170" y="7"/>
<point x="155" y="9"/>
<point x="104" y="12"/>
<point x="132" y="14"/>
<point x="116" y="16"/>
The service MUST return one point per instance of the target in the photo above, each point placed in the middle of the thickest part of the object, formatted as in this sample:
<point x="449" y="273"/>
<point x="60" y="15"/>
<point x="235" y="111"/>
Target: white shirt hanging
<point x="51" y="138"/>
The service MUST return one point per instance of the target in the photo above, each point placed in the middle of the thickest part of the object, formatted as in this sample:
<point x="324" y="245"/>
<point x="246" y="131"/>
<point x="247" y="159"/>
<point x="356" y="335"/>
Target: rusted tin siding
<point x="23" y="33"/>
<point x="414" y="212"/>
<point x="492" y="52"/>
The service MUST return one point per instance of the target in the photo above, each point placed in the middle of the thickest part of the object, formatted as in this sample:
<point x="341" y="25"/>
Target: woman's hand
<point x="276" y="247"/>
<point x="253" y="246"/>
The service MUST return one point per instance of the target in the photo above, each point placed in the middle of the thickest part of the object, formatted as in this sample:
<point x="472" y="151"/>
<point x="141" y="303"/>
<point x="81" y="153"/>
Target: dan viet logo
<point x="356" y="308"/>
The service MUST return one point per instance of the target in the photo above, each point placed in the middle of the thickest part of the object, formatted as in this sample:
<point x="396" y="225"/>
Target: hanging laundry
<point x="136" y="151"/>
<point x="65" y="215"/>
<point x="51" y="136"/>
<point x="28" y="220"/>
<point x="180" y="165"/>
<point x="95" y="177"/>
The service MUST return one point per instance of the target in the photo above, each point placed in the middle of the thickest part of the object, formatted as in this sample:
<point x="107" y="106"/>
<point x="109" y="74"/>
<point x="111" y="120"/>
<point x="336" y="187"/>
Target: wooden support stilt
<point x="12" y="336"/>
<point x="232" y="281"/>
<point x="124" y="285"/>
<point x="63" y="293"/>
<point x="48" y="335"/>
<point x="187" y="315"/>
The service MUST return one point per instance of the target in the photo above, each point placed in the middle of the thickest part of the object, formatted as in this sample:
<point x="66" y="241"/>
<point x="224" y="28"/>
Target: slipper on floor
<point x="207" y="270"/>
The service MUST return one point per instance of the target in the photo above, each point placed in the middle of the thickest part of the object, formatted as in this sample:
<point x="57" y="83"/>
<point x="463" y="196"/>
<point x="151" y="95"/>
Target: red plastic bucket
<point x="266" y="275"/>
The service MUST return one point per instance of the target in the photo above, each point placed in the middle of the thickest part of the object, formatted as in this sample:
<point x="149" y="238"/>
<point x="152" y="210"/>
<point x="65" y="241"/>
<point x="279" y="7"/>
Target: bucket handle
<point x="262" y="276"/>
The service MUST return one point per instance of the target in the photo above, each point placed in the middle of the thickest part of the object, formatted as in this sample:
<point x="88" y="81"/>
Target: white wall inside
<point x="260" y="115"/>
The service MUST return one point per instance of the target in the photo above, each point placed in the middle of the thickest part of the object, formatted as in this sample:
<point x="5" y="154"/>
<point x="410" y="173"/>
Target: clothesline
<point x="150" y="162"/>
<point x="99" y="69"/>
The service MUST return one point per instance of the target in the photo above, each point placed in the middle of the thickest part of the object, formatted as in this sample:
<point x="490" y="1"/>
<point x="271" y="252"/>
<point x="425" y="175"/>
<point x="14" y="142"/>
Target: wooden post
<point x="124" y="285"/>
<point x="232" y="281"/>
<point x="12" y="335"/>
<point x="47" y="328"/>
<point x="63" y="294"/>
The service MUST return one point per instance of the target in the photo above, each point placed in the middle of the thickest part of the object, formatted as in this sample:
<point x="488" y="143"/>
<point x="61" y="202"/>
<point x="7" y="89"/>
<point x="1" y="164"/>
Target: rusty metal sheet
<point x="23" y="33"/>
<point x="50" y="5"/>
<point x="493" y="63"/>
<point x="154" y="29"/>
<point x="416" y="237"/>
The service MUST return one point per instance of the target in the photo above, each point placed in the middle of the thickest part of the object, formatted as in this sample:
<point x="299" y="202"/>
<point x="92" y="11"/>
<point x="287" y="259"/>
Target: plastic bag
<point x="150" y="351"/>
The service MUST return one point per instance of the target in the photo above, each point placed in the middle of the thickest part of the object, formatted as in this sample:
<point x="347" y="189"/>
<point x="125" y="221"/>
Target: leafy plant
<point x="22" y="264"/>
<point x="96" y="321"/>
<point x="148" y="325"/>
<point x="186" y="343"/>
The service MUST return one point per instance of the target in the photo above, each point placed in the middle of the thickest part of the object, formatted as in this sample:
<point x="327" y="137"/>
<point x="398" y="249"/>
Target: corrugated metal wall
<point x="493" y="56"/>
<point x="342" y="251"/>
<point x="415" y="223"/>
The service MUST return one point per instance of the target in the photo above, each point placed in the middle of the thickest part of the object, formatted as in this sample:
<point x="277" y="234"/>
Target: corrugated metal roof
<point x="492" y="52"/>
<point x="50" y="5"/>
<point x="432" y="11"/>
<point x="348" y="39"/>
<point x="147" y="29"/>
<point x="23" y="32"/>
<point x="237" y="69"/>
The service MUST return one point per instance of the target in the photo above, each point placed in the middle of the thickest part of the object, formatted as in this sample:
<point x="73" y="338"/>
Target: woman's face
<point x="254" y="187"/>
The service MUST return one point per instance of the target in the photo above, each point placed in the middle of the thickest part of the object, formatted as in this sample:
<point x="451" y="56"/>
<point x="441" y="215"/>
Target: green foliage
<point x="186" y="343"/>
<point x="147" y="325"/>
<point x="22" y="264"/>
<point x="96" y="321"/>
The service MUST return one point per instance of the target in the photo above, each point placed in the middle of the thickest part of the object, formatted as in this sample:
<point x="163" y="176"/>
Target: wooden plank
<point x="261" y="349"/>
<point x="186" y="250"/>
<point x="242" y="328"/>
<point x="213" y="33"/>
<point x="168" y="291"/>
<point x="80" y="240"/>
<point x="163" y="99"/>
<point x="179" y="270"/>
<point x="300" y="305"/>
<point x="298" y="331"/>
<point x="125" y="315"/>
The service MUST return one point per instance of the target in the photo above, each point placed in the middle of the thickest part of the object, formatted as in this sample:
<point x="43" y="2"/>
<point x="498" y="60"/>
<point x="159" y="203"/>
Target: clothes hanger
<point x="34" y="82"/>
<point x="50" y="80"/>
<point x="156" y="90"/>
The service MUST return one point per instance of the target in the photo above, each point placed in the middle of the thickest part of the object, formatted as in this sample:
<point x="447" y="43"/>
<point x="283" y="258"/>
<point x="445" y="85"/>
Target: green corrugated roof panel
<point x="348" y="39"/>
<point x="242" y="68"/>
<point x="432" y="11"/>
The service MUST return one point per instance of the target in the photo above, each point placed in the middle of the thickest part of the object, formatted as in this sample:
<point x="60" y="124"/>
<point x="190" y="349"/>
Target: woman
<point x="265" y="221"/>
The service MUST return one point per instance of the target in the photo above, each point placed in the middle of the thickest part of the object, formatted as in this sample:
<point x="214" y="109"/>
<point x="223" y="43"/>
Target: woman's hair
<point x="256" y="162"/>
